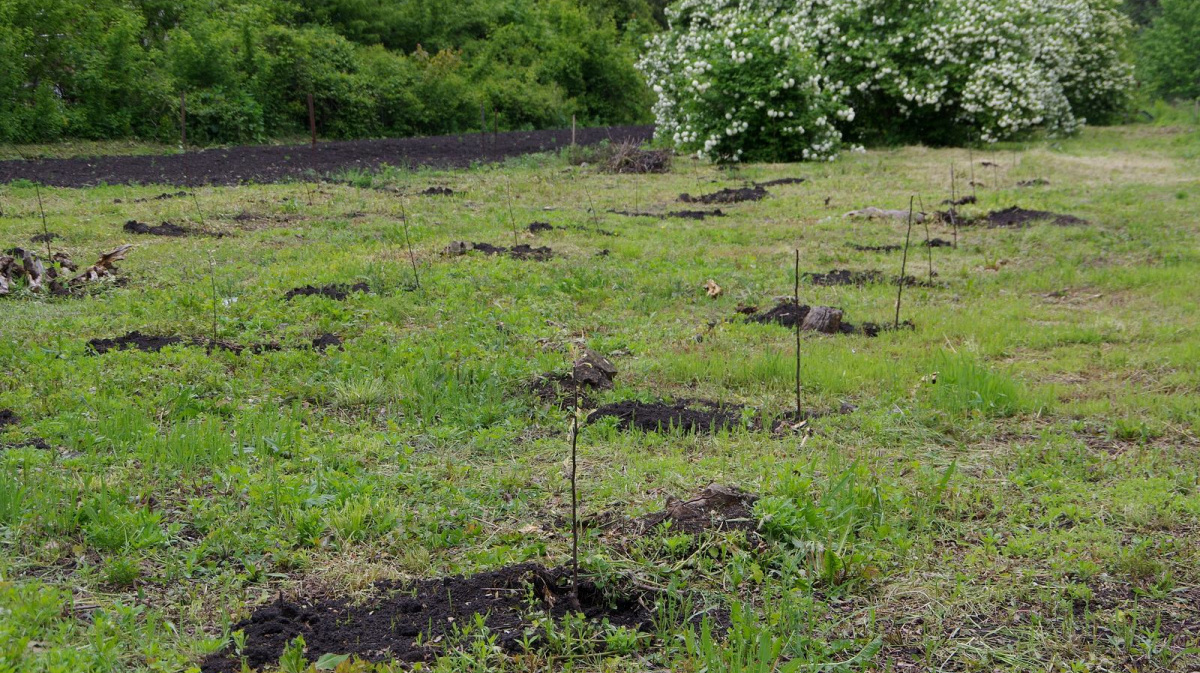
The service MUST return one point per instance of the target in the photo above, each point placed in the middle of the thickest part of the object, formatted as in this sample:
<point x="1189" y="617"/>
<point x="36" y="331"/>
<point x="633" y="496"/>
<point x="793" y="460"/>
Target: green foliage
<point x="966" y="386"/>
<point x="107" y="70"/>
<point x="1169" y="51"/>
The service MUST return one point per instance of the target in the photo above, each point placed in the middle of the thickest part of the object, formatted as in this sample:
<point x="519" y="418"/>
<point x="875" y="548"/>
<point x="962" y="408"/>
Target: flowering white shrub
<point x="785" y="80"/>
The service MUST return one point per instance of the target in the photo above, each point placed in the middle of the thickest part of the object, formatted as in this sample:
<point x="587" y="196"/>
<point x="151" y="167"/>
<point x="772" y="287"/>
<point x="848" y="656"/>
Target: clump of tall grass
<point x="965" y="386"/>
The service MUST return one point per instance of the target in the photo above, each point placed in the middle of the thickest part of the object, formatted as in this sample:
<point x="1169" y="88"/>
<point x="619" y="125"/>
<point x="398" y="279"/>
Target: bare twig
<point x="45" y="230"/>
<point x="199" y="212"/>
<point x="212" y="276"/>
<point x="411" y="257"/>
<point x="575" y="495"/>
<point x="928" y="241"/>
<point x="903" y="264"/>
<point x="508" y="197"/>
<point x="971" y="159"/>
<point x="796" y="298"/>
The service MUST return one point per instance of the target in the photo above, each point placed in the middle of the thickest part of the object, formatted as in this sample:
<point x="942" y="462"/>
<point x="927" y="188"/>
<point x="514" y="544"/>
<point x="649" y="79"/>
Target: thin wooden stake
<point x="575" y="494"/>
<point x="953" y="190"/>
<point x="183" y="117"/>
<point x="796" y="299"/>
<point x="903" y="264"/>
<point x="928" y="240"/>
<point x="312" y="120"/>
<point x="511" y="218"/>
<point x="572" y="130"/>
<point x="199" y="212"/>
<point x="45" y="230"/>
<point x="212" y="275"/>
<point x="971" y="158"/>
<point x="411" y="257"/>
<point x="482" y="125"/>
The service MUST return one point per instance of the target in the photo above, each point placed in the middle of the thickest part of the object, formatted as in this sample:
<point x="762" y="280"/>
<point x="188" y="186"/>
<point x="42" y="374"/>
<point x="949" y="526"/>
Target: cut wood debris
<point x="18" y="263"/>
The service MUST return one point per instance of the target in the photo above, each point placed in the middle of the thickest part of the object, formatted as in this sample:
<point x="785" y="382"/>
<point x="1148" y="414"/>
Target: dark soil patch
<point x="780" y="181"/>
<point x="8" y="417"/>
<point x="35" y="443"/>
<point x="1019" y="217"/>
<point x="696" y="214"/>
<point x="327" y="341"/>
<point x="716" y="507"/>
<point x="755" y="193"/>
<point x="876" y="248"/>
<point x="164" y="229"/>
<point x="275" y="163"/>
<point x="412" y="621"/>
<point x="938" y="243"/>
<point x="872" y="329"/>
<point x="337" y="291"/>
<point x="1036" y="182"/>
<point x="523" y="251"/>
<point x="437" y="191"/>
<point x="592" y="371"/>
<point x="964" y="201"/>
<point x="152" y="344"/>
<point x="628" y="213"/>
<point x="828" y="321"/>
<point x="844" y="277"/>
<point x="690" y="416"/>
<point x="135" y="339"/>
<point x="538" y="227"/>
<point x="45" y="238"/>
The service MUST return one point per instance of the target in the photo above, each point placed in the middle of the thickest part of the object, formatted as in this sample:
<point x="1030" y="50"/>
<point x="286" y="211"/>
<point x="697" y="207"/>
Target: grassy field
<point x="1015" y="488"/>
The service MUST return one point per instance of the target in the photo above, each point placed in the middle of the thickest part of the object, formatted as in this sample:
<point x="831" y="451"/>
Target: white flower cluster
<point x="788" y="79"/>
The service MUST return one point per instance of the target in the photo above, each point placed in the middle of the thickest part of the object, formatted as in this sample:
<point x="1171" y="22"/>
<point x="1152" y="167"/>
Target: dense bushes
<point x="1169" y="51"/>
<point x="115" y="69"/>
<point x="795" y="79"/>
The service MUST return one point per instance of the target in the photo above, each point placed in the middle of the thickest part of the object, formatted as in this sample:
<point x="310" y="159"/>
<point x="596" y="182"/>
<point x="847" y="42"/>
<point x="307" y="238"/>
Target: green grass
<point x="1015" y="488"/>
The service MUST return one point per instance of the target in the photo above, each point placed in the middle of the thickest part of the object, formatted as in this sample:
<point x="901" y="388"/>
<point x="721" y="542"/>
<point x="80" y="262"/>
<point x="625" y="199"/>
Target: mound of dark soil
<point x="1036" y="182"/>
<point x="629" y="158"/>
<point x="876" y="248"/>
<point x="437" y="191"/>
<point x="691" y="416"/>
<point x="716" y="507"/>
<point x="696" y="214"/>
<point x="592" y="371"/>
<point x="872" y="329"/>
<point x="538" y="227"/>
<point x="164" y="229"/>
<point x="8" y="417"/>
<point x="135" y="339"/>
<point x="35" y="443"/>
<point x="327" y="341"/>
<point x="780" y="181"/>
<point x="845" y="277"/>
<point x="1019" y="217"/>
<point x="629" y="213"/>
<point x="525" y="251"/>
<point x="275" y="163"/>
<point x="938" y="243"/>
<point x="45" y="238"/>
<point x="824" y="319"/>
<point x="337" y="291"/>
<point x="964" y="201"/>
<point x="755" y="193"/>
<point x="413" y="621"/>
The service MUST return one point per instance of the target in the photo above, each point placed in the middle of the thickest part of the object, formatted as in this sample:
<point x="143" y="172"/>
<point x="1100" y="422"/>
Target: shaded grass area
<point x="1015" y="488"/>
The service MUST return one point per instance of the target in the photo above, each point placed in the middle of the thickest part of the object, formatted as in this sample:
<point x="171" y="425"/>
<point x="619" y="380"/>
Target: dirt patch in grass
<point x="824" y="319"/>
<point x="1020" y="217"/>
<point x="717" y="507"/>
<point x="336" y="291"/>
<point x="523" y="251"/>
<point x="147" y="343"/>
<point x="539" y="227"/>
<point x="592" y="371"/>
<point x="416" y="621"/>
<point x="277" y="163"/>
<point x="938" y="243"/>
<point x="695" y="214"/>
<point x="1036" y="182"/>
<point x="35" y="443"/>
<point x="436" y="191"/>
<point x="876" y="248"/>
<point x="164" y="229"/>
<point x="46" y="237"/>
<point x="781" y="181"/>
<point x="838" y="277"/>
<point x="964" y="201"/>
<point x="755" y="193"/>
<point x="688" y="415"/>
<point x="8" y="417"/>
